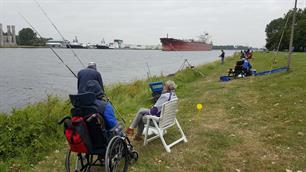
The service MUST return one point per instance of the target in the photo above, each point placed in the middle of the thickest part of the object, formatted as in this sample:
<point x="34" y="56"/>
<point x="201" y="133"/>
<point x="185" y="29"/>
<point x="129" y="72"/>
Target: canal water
<point x="29" y="75"/>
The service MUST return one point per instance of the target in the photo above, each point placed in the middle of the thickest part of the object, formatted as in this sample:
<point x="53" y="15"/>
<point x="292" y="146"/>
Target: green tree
<point x="300" y="36"/>
<point x="275" y="28"/>
<point x="26" y="36"/>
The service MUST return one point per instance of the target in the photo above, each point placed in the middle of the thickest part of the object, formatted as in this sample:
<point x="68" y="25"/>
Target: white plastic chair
<point x="166" y="120"/>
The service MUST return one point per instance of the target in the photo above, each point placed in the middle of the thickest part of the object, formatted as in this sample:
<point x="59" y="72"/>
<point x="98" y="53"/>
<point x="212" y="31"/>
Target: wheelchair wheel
<point x="76" y="162"/>
<point x="116" y="157"/>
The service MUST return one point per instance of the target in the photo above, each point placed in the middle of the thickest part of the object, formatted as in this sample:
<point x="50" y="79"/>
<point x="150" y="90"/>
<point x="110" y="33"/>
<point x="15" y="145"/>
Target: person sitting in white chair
<point x="167" y="95"/>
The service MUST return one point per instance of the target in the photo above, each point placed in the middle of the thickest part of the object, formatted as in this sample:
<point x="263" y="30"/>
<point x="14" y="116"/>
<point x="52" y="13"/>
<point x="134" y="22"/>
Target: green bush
<point x="27" y="134"/>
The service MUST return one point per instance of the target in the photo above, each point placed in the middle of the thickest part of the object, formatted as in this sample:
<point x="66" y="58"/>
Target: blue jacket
<point x="108" y="114"/>
<point x="87" y="74"/>
<point x="247" y="65"/>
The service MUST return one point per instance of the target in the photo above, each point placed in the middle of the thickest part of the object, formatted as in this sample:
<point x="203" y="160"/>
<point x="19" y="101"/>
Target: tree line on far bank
<point x="28" y="37"/>
<point x="230" y="47"/>
<point x="275" y="28"/>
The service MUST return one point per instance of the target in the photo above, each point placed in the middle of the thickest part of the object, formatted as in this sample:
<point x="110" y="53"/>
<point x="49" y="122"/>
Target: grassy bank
<point x="28" y="134"/>
<point x="250" y="124"/>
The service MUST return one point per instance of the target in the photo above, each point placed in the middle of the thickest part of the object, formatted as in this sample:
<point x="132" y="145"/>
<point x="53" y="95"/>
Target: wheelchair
<point x="90" y="144"/>
<point x="239" y="71"/>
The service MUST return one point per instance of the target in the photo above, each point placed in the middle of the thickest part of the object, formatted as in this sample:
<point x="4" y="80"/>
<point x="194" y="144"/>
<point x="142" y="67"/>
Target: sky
<point x="228" y="22"/>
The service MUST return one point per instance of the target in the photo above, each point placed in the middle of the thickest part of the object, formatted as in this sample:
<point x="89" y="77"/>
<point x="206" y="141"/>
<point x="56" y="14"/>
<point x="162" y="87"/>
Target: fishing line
<point x="56" y="54"/>
<point x="57" y="30"/>
<point x="75" y="55"/>
<point x="281" y="38"/>
<point x="280" y="41"/>
<point x="117" y="111"/>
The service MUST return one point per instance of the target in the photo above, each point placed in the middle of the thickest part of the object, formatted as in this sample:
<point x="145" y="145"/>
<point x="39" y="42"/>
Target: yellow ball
<point x="199" y="106"/>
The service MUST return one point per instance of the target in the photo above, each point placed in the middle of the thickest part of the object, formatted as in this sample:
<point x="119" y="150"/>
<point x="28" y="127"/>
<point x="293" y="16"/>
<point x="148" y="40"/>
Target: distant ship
<point x="172" y="44"/>
<point x="99" y="46"/>
<point x="75" y="44"/>
<point x="102" y="45"/>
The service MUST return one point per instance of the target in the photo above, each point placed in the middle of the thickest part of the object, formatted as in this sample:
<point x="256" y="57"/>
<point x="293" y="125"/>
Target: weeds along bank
<point x="28" y="134"/>
<point x="248" y="124"/>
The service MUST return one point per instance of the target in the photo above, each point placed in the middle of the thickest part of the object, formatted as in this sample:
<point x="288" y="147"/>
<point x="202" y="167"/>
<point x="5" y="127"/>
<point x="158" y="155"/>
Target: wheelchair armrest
<point x="63" y="119"/>
<point x="91" y="117"/>
<point x="98" y="118"/>
<point x="94" y="116"/>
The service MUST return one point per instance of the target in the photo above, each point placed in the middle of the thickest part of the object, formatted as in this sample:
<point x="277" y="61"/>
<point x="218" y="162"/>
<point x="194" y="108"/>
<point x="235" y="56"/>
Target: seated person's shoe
<point x="129" y="131"/>
<point x="137" y="138"/>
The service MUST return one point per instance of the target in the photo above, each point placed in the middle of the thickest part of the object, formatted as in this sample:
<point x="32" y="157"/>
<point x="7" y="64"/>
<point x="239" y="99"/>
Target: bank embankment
<point x="248" y="124"/>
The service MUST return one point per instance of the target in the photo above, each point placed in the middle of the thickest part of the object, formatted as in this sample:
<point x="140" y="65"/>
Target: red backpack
<point x="77" y="134"/>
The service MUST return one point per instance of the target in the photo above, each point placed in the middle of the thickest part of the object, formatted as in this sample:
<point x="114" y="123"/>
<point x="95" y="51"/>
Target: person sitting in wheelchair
<point x="92" y="122"/>
<point x="98" y="115"/>
<point x="93" y="130"/>
<point x="242" y="69"/>
<point x="104" y="108"/>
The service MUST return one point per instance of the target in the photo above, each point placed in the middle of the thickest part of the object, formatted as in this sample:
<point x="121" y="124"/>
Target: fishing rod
<point x="55" y="53"/>
<point x="117" y="111"/>
<point x="57" y="30"/>
<point x="280" y="41"/>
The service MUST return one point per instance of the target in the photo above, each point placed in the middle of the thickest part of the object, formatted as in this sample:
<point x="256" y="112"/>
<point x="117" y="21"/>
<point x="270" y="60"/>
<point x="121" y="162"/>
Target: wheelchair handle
<point x="91" y="117"/>
<point x="63" y="119"/>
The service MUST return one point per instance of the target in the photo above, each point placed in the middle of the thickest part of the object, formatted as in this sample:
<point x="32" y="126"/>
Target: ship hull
<point x="102" y="47"/>
<point x="171" y="44"/>
<point x="75" y="46"/>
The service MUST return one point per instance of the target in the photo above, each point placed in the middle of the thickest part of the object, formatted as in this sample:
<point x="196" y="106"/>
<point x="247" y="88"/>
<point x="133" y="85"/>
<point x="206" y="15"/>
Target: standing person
<point x="167" y="95"/>
<point x="89" y="73"/>
<point x="222" y="56"/>
<point x="250" y="55"/>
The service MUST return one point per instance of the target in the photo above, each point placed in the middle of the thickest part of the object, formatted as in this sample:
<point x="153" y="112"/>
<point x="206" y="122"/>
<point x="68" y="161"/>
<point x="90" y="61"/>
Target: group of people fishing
<point x="90" y="80"/>
<point x="243" y="66"/>
<point x="242" y="69"/>
<point x="244" y="54"/>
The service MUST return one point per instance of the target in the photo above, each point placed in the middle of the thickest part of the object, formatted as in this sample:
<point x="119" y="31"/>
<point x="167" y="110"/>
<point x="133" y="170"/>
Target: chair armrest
<point x="155" y="118"/>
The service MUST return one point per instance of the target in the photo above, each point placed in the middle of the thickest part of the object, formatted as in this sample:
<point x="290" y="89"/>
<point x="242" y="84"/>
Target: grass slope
<point x="249" y="124"/>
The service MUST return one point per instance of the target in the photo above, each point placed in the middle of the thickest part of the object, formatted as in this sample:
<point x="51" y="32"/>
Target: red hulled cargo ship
<point x="171" y="44"/>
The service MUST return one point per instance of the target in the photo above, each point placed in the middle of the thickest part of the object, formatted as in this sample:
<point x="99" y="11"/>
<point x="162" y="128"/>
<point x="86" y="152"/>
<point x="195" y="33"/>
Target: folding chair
<point x="166" y="120"/>
<point x="157" y="89"/>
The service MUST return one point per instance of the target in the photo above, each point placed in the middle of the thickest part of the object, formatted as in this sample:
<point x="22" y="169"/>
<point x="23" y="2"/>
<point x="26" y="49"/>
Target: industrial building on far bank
<point x="8" y="39"/>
